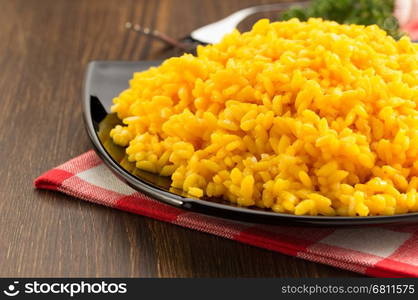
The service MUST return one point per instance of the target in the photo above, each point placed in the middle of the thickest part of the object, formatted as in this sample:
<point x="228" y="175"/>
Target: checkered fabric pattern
<point x="381" y="251"/>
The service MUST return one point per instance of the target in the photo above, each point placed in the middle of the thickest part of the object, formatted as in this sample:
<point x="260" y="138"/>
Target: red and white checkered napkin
<point x="383" y="251"/>
<point x="412" y="29"/>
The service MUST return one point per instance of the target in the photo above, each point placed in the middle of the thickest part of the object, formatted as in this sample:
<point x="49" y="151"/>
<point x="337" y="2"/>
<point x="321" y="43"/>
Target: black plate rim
<point x="203" y="206"/>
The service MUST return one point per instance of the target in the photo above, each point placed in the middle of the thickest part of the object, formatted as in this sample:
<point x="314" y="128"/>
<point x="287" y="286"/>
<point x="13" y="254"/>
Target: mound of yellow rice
<point x="305" y="118"/>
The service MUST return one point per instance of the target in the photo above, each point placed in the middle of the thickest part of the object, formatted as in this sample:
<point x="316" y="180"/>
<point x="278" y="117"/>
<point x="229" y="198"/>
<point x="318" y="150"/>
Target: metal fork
<point x="212" y="33"/>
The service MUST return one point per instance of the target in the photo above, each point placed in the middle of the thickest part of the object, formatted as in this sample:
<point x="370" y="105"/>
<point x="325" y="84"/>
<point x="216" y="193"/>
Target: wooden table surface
<point x="44" y="48"/>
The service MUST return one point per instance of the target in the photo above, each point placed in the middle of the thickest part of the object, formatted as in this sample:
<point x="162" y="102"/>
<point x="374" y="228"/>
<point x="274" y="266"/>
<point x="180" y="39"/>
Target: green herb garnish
<point x="362" y="12"/>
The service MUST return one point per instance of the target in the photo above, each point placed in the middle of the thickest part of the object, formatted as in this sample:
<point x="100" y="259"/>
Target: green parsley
<point x="362" y="12"/>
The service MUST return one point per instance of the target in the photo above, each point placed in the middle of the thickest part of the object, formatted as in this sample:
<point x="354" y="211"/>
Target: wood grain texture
<point x="44" y="48"/>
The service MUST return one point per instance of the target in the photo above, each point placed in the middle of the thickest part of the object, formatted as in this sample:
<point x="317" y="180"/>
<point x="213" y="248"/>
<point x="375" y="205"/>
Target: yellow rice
<point x="305" y="118"/>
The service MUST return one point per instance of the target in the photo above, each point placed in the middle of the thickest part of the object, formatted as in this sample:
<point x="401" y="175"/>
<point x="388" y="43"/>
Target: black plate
<point x="105" y="80"/>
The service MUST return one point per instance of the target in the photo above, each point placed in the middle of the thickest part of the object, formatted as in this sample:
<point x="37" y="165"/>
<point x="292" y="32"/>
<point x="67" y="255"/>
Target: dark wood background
<point x="44" y="48"/>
